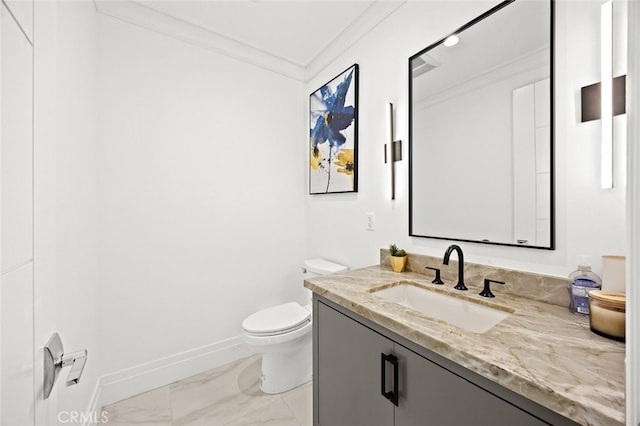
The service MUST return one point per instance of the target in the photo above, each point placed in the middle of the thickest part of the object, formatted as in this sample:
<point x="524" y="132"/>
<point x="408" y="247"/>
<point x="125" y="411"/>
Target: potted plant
<point x="398" y="258"/>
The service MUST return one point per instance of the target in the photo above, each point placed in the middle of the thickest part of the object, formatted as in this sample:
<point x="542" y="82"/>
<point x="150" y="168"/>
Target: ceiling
<point x="296" y="38"/>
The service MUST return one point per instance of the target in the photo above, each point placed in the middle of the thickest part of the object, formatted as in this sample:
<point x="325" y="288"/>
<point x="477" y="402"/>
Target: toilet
<point x="282" y="334"/>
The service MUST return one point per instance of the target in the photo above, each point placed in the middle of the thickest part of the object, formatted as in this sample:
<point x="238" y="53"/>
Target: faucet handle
<point x="486" y="291"/>
<point x="437" y="279"/>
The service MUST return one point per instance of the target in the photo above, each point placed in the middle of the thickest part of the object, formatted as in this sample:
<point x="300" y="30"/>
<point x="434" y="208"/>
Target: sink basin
<point x="458" y="311"/>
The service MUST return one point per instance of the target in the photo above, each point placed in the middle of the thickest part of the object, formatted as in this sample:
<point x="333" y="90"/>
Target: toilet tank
<point x="314" y="267"/>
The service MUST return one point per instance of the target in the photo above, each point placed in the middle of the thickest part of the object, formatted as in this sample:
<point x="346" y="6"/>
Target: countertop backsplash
<point x="539" y="287"/>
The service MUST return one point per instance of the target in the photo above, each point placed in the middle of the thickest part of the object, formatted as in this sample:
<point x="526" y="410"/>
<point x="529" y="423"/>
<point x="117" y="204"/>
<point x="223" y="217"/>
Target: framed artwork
<point x="333" y="129"/>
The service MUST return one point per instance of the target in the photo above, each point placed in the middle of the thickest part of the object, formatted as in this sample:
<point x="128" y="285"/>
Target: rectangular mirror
<point x="481" y="130"/>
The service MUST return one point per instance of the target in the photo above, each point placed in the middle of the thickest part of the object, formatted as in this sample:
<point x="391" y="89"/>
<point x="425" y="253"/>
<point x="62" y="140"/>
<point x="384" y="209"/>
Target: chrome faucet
<point x="447" y="254"/>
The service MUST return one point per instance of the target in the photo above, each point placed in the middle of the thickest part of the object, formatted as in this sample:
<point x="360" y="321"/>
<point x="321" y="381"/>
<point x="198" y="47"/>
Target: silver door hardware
<point x="55" y="360"/>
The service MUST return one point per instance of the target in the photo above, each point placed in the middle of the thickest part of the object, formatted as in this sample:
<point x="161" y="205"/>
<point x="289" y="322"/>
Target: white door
<point x="21" y="401"/>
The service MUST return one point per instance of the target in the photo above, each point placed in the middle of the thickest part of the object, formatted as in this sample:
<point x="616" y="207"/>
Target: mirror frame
<point x="552" y="242"/>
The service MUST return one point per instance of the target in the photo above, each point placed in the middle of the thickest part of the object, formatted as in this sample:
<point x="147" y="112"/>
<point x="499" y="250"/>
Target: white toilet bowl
<point x="282" y="334"/>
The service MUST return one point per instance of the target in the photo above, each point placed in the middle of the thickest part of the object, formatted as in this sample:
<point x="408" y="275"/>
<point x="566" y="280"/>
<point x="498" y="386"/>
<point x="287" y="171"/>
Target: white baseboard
<point x="93" y="415"/>
<point x="129" y="382"/>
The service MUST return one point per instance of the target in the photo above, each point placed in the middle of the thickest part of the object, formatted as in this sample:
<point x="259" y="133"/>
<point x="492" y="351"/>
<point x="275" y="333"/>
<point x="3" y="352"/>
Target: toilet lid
<point x="280" y="318"/>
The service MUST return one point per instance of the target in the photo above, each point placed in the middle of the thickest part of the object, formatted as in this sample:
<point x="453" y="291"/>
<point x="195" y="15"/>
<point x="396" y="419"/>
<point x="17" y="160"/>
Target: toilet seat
<point x="277" y="320"/>
<point x="272" y="341"/>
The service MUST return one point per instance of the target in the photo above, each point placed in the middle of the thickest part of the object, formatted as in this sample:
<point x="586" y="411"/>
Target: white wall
<point x="201" y="195"/>
<point x="75" y="71"/>
<point x="589" y="221"/>
<point x="167" y="203"/>
<point x="596" y="220"/>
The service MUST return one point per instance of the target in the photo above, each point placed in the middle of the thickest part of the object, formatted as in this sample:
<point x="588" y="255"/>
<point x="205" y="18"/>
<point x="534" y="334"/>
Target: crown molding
<point x="148" y="18"/>
<point x="367" y="21"/>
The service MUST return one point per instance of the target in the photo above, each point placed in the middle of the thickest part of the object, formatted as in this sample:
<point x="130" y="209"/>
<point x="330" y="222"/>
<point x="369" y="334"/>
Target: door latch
<point x="55" y="360"/>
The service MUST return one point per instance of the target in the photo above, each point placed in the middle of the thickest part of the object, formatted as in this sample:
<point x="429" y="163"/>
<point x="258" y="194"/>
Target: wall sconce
<point x="395" y="151"/>
<point x="606" y="99"/>
<point x="591" y="100"/>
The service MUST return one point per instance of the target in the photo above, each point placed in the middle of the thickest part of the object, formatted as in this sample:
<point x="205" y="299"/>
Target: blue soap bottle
<point x="582" y="281"/>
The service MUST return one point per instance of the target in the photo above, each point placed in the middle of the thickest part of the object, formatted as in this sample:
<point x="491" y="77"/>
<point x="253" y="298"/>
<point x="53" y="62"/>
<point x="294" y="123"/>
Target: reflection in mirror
<point x="481" y="130"/>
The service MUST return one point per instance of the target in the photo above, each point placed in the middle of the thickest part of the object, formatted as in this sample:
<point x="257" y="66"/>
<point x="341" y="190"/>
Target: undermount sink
<point x="458" y="311"/>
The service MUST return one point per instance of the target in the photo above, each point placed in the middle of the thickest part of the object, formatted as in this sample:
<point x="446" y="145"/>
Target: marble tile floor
<point x="225" y="396"/>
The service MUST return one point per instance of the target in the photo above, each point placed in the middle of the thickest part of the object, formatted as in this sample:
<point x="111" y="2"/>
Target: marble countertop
<point x="541" y="351"/>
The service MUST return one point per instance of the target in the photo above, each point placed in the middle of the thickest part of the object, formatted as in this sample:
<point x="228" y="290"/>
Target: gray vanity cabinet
<point x="432" y="395"/>
<point x="348" y="382"/>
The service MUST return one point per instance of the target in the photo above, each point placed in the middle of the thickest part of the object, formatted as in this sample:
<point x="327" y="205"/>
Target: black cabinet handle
<point x="390" y="395"/>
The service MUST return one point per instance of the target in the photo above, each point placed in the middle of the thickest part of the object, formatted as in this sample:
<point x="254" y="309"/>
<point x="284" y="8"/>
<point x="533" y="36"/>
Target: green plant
<point x="396" y="252"/>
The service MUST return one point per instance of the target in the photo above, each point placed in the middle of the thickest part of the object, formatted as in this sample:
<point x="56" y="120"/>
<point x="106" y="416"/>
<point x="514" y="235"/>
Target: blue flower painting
<point x="333" y="135"/>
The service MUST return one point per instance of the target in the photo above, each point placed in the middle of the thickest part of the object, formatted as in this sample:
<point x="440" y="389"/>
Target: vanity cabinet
<point x="351" y="375"/>
<point x="349" y="372"/>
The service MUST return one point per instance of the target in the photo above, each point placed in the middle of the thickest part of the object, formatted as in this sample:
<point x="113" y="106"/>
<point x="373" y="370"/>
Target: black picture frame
<point x="333" y="135"/>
